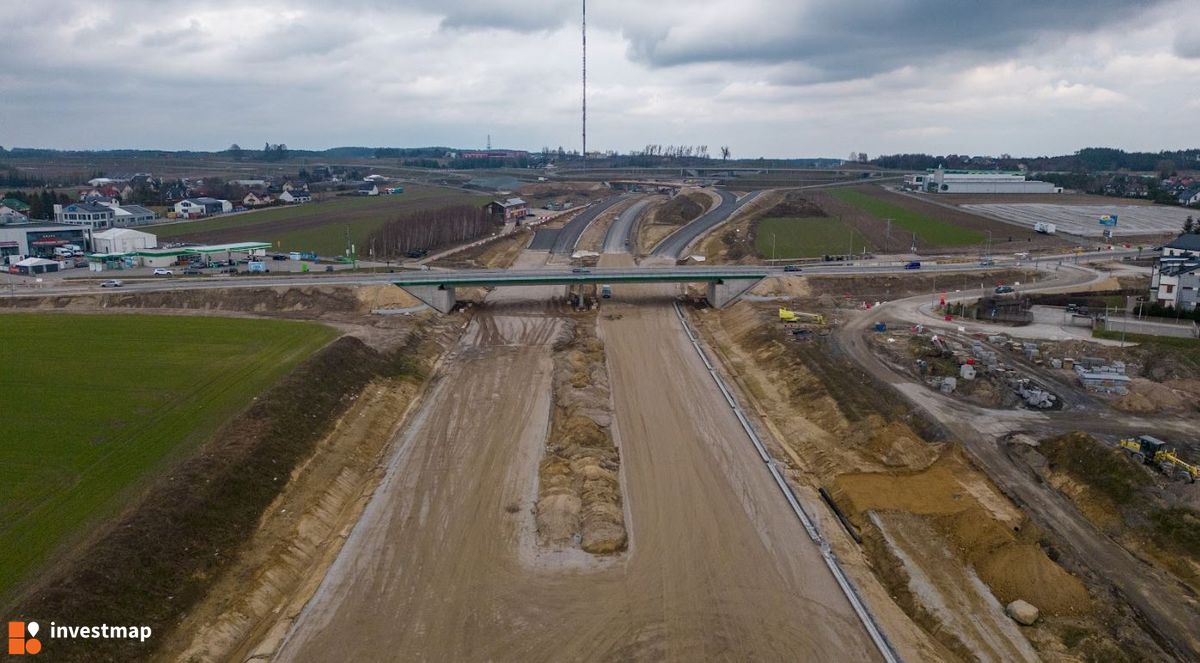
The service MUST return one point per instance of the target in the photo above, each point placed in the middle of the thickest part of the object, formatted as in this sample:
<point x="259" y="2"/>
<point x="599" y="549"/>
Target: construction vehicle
<point x="1153" y="451"/>
<point x="787" y="315"/>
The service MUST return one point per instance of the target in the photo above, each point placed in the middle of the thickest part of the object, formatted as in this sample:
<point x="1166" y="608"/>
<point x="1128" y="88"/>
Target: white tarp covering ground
<point x="1084" y="219"/>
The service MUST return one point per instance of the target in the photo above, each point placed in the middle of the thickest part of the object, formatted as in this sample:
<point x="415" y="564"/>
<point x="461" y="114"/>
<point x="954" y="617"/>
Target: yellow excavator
<point x="1153" y="451"/>
<point x="787" y="315"/>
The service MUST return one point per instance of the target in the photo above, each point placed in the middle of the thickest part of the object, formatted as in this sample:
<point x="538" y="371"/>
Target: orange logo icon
<point x="18" y="643"/>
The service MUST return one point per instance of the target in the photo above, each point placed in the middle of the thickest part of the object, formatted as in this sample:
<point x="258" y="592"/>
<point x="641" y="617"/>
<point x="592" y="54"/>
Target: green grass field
<point x="319" y="226"/>
<point x="93" y="405"/>
<point x="805" y="237"/>
<point x="932" y="231"/>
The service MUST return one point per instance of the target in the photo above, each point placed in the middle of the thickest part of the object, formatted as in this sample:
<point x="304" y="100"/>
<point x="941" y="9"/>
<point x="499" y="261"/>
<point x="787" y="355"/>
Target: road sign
<point x="1109" y="220"/>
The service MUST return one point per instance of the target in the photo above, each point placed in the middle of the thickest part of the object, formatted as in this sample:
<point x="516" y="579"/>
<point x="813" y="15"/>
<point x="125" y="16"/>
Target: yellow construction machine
<point x="1153" y="451"/>
<point x="787" y="315"/>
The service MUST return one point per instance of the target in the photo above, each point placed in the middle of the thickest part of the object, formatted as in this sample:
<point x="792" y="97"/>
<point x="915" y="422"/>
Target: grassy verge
<point x="792" y="237"/>
<point x="160" y="557"/>
<point x="1103" y="468"/>
<point x="319" y="227"/>
<point x="85" y="428"/>
<point x="932" y="231"/>
<point x="1184" y="350"/>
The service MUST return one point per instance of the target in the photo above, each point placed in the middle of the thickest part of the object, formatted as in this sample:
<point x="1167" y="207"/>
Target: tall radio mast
<point x="585" y="81"/>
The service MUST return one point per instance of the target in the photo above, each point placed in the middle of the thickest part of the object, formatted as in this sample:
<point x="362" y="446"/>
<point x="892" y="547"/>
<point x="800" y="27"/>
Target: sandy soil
<point x="439" y="569"/>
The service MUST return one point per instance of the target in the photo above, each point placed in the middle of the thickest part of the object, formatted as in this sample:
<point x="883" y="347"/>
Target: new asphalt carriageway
<point x="725" y="284"/>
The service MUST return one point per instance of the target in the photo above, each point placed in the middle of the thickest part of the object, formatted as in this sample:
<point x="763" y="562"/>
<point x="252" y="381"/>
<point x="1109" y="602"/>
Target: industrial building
<point x="167" y="257"/>
<point x="940" y="180"/>
<point x="37" y="239"/>
<point x="122" y="240"/>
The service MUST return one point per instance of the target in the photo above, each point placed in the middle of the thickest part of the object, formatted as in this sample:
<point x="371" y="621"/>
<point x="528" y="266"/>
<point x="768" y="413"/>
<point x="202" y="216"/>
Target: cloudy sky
<point x="766" y="77"/>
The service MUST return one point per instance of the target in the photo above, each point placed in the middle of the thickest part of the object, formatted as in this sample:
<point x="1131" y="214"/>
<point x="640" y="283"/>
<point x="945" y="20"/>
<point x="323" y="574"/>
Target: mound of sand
<point x="782" y="286"/>
<point x="1146" y="396"/>
<point x="373" y="297"/>
<point x="986" y="531"/>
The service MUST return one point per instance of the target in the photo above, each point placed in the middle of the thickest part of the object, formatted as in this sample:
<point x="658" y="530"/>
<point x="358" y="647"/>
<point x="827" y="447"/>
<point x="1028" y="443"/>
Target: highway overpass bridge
<point x="725" y="284"/>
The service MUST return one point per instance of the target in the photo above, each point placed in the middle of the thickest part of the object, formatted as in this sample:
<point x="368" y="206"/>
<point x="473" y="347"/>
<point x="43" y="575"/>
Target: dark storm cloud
<point x="852" y="39"/>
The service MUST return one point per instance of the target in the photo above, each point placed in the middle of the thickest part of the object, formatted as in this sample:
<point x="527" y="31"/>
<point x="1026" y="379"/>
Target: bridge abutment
<point x="438" y="297"/>
<point x="727" y="291"/>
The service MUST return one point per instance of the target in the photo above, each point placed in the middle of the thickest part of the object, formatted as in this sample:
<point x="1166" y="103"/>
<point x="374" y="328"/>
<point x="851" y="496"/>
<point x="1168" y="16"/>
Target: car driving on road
<point x="162" y="271"/>
<point x="111" y="283"/>
<point x="1004" y="289"/>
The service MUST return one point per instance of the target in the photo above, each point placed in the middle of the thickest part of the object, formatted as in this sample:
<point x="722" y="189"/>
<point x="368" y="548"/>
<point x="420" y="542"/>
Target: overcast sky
<point x="766" y="77"/>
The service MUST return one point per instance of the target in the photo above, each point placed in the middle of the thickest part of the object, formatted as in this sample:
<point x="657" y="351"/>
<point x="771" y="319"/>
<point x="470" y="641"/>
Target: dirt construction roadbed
<point x="444" y="563"/>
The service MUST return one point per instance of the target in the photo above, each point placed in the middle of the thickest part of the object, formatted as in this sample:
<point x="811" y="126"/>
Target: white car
<point x="159" y="271"/>
<point x="111" y="283"/>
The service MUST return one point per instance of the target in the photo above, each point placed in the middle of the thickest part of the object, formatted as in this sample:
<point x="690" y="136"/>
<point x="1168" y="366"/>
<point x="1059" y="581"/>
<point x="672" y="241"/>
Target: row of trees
<point x="41" y="205"/>
<point x="270" y="152"/>
<point x="1089" y="159"/>
<point x="428" y="229"/>
<point x="677" y="151"/>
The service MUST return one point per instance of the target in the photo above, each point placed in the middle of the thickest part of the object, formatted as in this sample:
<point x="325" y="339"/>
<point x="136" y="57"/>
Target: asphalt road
<point x="621" y="231"/>
<point x="568" y="237"/>
<point x="440" y="276"/>
<point x="677" y="242"/>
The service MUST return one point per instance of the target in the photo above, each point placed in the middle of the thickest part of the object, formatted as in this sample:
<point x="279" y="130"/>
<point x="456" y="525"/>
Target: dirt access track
<point x="444" y="563"/>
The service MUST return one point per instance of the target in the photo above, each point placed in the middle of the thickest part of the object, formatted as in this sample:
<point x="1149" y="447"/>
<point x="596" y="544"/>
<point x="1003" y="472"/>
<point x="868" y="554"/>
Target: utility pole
<point x="584" y="24"/>
<point x="772" y="247"/>
<point x="887" y="243"/>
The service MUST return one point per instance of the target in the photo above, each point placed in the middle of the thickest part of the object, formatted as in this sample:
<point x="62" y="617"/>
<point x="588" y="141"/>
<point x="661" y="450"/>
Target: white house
<point x="196" y="207"/>
<point x="295" y="196"/>
<point x="122" y="240"/>
<point x="1175" y="280"/>
<point x="368" y="189"/>
<point x="1190" y="197"/>
<point x="253" y="199"/>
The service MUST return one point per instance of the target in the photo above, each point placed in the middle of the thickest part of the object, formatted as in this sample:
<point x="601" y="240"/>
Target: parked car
<point x="192" y="271"/>
<point x="417" y="253"/>
<point x="1004" y="289"/>
<point x="231" y="270"/>
<point x="279" y="256"/>
<point x="329" y="268"/>
<point x="580" y="270"/>
<point x="111" y="283"/>
<point x="916" y="264"/>
<point x="162" y="271"/>
<point x="791" y="268"/>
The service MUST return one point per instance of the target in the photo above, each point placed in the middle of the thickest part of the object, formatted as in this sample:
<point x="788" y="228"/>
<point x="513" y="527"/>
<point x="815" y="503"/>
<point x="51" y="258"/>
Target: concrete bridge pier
<point x="438" y="297"/>
<point x="727" y="291"/>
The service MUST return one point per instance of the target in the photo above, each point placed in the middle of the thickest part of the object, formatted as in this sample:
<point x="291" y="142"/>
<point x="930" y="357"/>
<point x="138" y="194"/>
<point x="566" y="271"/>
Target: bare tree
<point x="428" y="229"/>
<point x="725" y="153"/>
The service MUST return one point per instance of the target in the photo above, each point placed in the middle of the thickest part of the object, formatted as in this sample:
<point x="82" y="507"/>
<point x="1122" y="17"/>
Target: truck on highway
<point x="1045" y="228"/>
